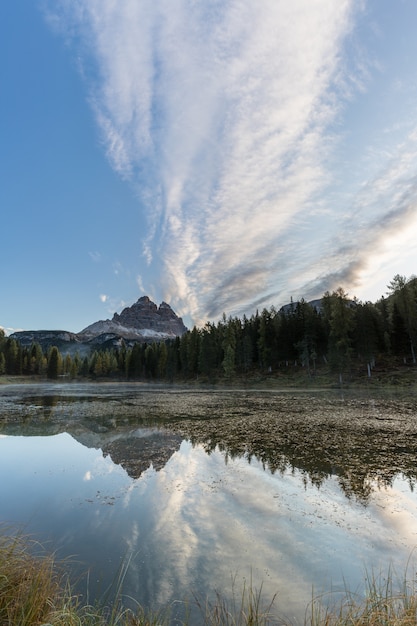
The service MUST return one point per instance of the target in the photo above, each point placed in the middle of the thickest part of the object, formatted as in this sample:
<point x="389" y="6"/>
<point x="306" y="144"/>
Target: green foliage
<point x="54" y="363"/>
<point x="404" y="298"/>
<point x="339" y="313"/>
<point x="13" y="357"/>
<point x="343" y="333"/>
<point x="36" y="363"/>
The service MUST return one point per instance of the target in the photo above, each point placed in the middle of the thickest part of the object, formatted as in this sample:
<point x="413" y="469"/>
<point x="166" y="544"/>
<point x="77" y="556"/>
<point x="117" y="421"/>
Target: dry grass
<point x="33" y="592"/>
<point x="384" y="603"/>
<point x="29" y="588"/>
<point x="244" y="609"/>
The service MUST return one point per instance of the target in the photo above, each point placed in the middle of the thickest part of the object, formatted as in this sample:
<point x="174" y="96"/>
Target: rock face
<point x="144" y="314"/>
<point x="46" y="338"/>
<point x="143" y="321"/>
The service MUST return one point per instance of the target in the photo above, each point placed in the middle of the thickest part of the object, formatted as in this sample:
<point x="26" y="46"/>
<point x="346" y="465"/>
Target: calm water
<point x="200" y="491"/>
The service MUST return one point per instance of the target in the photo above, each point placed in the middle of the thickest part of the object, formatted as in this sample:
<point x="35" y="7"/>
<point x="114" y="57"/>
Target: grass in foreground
<point x="33" y="592"/>
<point x="384" y="603"/>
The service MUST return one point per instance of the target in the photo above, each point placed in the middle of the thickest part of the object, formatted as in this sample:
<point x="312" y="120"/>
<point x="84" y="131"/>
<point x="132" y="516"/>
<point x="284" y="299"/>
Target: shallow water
<point x="199" y="491"/>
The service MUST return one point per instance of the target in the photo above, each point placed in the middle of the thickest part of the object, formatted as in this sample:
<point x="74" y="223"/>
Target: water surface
<point x="195" y="489"/>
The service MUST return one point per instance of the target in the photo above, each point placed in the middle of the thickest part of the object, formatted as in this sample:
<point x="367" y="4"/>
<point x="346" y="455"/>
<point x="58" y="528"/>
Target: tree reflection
<point x="364" y="442"/>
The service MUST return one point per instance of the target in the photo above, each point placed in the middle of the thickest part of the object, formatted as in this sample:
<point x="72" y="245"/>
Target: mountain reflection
<point x="365" y="443"/>
<point x="137" y="454"/>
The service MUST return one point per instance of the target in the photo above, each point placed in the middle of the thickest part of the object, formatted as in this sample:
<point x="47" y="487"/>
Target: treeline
<point x="340" y="334"/>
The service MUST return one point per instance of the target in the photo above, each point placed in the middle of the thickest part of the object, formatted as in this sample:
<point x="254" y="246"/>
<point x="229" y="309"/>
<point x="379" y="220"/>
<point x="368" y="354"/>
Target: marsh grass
<point x="245" y="608"/>
<point x="384" y="602"/>
<point x="35" y="592"/>
<point x="28" y="587"/>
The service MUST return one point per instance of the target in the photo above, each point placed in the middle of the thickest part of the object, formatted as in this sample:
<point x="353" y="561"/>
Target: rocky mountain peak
<point x="144" y="314"/>
<point x="143" y="321"/>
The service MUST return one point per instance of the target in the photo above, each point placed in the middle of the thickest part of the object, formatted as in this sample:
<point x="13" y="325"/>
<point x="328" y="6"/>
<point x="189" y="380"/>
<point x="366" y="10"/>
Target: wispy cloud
<point x="95" y="256"/>
<point x="222" y="115"/>
<point x="384" y="209"/>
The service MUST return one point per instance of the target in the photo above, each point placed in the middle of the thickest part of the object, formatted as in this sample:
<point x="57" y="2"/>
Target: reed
<point x="34" y="591"/>
<point x="384" y="601"/>
<point x="245" y="608"/>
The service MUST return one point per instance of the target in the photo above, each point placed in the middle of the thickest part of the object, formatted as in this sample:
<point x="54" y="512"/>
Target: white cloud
<point x="224" y="116"/>
<point x="383" y="219"/>
<point x="139" y="283"/>
<point x="104" y="297"/>
<point x="9" y="331"/>
<point x="95" y="256"/>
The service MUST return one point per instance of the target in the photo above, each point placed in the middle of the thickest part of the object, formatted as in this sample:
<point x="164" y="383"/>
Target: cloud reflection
<point x="213" y="521"/>
<point x="202" y="519"/>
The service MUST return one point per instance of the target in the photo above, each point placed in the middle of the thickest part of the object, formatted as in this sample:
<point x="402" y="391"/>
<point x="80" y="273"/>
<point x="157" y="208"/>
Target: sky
<point x="223" y="156"/>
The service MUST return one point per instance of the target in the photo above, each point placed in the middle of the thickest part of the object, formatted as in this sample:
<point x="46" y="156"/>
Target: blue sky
<point x="221" y="155"/>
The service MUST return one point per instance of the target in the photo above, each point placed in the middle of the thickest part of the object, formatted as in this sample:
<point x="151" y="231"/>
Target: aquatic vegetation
<point x="358" y="442"/>
<point x="364" y="440"/>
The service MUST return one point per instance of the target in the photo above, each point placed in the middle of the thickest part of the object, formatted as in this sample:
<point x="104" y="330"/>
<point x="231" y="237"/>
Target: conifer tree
<point x="339" y="314"/>
<point x="405" y="297"/>
<point x="54" y="363"/>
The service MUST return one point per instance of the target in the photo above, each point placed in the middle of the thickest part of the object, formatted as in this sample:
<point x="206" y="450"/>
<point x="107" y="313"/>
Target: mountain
<point x="142" y="322"/>
<point x="315" y="304"/>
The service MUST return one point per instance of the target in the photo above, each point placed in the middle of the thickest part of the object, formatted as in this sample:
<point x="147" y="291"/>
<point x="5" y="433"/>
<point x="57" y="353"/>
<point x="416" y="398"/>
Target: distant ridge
<point x="315" y="304"/>
<point x="142" y="322"/>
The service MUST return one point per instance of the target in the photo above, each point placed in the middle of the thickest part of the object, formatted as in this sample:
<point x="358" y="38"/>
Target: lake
<point x="188" y="492"/>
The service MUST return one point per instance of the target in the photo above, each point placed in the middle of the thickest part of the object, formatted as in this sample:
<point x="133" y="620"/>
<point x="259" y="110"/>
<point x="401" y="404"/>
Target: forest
<point x="341" y="335"/>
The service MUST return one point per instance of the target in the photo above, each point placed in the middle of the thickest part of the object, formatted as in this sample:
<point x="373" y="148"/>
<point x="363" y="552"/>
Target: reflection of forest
<point x="364" y="442"/>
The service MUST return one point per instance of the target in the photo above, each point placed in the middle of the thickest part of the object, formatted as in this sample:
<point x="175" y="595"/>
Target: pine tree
<point x="162" y="359"/>
<point x="193" y="349"/>
<point x="151" y="361"/>
<point x="404" y="293"/>
<point x="338" y="311"/>
<point x="54" y="363"/>
<point x="367" y="333"/>
<point x="13" y="356"/>
<point x="207" y="362"/>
